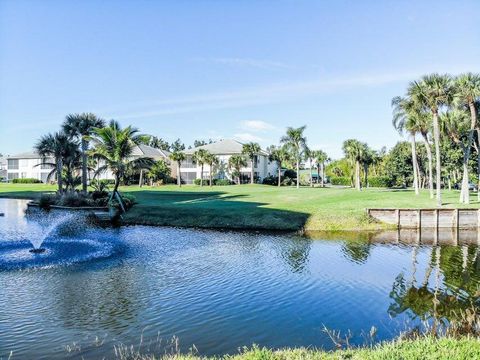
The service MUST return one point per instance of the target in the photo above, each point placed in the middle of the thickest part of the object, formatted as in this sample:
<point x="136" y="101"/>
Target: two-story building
<point x="223" y="150"/>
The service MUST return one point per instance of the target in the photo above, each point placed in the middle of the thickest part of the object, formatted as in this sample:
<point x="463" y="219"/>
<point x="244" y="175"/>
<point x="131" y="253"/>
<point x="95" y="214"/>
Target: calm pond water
<point x="94" y="288"/>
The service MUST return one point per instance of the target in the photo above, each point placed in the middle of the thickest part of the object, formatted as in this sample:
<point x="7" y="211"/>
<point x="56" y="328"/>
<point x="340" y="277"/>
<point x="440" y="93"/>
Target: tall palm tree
<point x="211" y="160"/>
<point x="81" y="126"/>
<point x="236" y="163"/>
<point x="467" y="92"/>
<point x="354" y="151"/>
<point x="178" y="156"/>
<point x="59" y="146"/>
<point x="114" y="146"/>
<point x="310" y="156"/>
<point x="200" y="157"/>
<point x="455" y="124"/>
<point x="296" y="142"/>
<point x="320" y="158"/>
<point x="433" y="92"/>
<point x="251" y="150"/>
<point x="279" y="155"/>
<point x="408" y="117"/>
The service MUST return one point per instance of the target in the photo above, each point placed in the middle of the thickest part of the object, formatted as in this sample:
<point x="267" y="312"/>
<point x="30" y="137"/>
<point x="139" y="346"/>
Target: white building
<point x="29" y="164"/>
<point x="3" y="168"/>
<point x="223" y="150"/>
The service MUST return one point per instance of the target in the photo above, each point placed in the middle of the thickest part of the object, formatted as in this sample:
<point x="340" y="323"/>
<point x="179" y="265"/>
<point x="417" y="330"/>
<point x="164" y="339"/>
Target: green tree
<point x="279" y="155"/>
<point x="156" y="142"/>
<point x="178" y="156"/>
<point x="433" y="92"/>
<point x="354" y="151"/>
<point x="321" y="158"/>
<point x="309" y="155"/>
<point x="59" y="146"/>
<point x="81" y="126"/>
<point x="211" y="160"/>
<point x="251" y="150"/>
<point x="296" y="142"/>
<point x="114" y="146"/>
<point x="467" y="91"/>
<point x="200" y="157"/>
<point x="235" y="164"/>
<point x="159" y="171"/>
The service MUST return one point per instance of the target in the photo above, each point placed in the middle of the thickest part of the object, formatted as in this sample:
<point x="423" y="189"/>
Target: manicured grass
<point x="258" y="206"/>
<point x="427" y="348"/>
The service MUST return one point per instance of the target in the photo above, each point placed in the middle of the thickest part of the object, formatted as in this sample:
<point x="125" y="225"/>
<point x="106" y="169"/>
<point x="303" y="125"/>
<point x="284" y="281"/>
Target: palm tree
<point x="455" y="124"/>
<point x="467" y="91"/>
<point x="354" y="151"/>
<point x="81" y="126"/>
<point x="211" y="160"/>
<point x="251" y="150"/>
<point x="236" y="163"/>
<point x="200" y="156"/>
<point x="114" y="146"/>
<point x="178" y="156"/>
<point x="59" y="146"/>
<point x="309" y="156"/>
<point x="278" y="155"/>
<point x="433" y="92"/>
<point x="320" y="158"/>
<point x="407" y="116"/>
<point x="296" y="142"/>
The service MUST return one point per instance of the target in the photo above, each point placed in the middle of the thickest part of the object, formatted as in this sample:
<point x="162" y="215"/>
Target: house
<point x="224" y="149"/>
<point x="29" y="164"/>
<point x="3" y="168"/>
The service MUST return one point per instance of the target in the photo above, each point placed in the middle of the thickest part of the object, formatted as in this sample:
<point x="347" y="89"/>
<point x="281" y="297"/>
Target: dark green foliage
<point x="46" y="201"/>
<point x="26" y="181"/>
<point x="341" y="180"/>
<point x="222" y="182"/>
<point x="292" y="174"/>
<point x="270" y="180"/>
<point x="398" y="165"/>
<point x="379" y="181"/>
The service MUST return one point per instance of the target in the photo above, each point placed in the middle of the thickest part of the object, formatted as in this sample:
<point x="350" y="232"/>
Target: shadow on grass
<point x="213" y="209"/>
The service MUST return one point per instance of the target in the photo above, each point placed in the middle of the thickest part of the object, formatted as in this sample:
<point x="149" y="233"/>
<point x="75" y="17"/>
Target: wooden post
<point x="397" y="214"/>
<point x="419" y="226"/>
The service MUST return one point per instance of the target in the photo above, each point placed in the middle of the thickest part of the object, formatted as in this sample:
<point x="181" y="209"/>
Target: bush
<point x="340" y="180"/>
<point x="99" y="194"/>
<point x="128" y="202"/>
<point x="379" y="181"/>
<point x="288" y="182"/>
<point x="75" y="199"/>
<point x="26" y="181"/>
<point x="222" y="182"/>
<point x="46" y="201"/>
<point x="291" y="174"/>
<point x="270" y="180"/>
<point x="205" y="182"/>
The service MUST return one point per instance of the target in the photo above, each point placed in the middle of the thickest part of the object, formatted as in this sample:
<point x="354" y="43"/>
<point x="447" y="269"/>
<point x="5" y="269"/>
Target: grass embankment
<point x="258" y="206"/>
<point x="423" y="348"/>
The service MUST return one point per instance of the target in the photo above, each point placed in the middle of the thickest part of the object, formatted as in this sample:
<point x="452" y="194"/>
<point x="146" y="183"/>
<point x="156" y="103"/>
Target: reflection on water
<point x="224" y="290"/>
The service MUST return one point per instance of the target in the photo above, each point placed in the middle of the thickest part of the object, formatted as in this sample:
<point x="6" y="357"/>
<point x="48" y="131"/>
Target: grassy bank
<point x="423" y="348"/>
<point x="257" y="206"/>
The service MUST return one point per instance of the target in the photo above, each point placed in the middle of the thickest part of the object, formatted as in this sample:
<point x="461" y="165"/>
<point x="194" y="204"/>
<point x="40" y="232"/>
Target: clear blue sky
<point x="216" y="69"/>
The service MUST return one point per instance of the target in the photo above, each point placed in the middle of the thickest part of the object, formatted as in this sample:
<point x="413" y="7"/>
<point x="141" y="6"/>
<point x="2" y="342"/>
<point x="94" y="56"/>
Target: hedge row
<point x="26" y="181"/>
<point x="373" y="181"/>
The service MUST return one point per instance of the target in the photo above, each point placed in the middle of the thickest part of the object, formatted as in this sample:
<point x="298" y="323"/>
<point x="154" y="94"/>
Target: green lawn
<point x="257" y="206"/>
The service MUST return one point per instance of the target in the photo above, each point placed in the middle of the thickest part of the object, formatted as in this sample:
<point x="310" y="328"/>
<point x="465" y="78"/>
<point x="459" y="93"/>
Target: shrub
<point x="75" y="199"/>
<point x="128" y="202"/>
<point x="46" y="201"/>
<point x="379" y="181"/>
<point x="205" y="182"/>
<point x="288" y="182"/>
<point x="98" y="194"/>
<point x="222" y="182"/>
<point x="340" y="180"/>
<point x="291" y="174"/>
<point x="270" y="180"/>
<point x="26" y="181"/>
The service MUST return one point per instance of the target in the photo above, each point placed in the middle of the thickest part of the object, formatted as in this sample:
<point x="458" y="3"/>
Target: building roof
<point x="148" y="151"/>
<point x="222" y="147"/>
<point x="25" y="155"/>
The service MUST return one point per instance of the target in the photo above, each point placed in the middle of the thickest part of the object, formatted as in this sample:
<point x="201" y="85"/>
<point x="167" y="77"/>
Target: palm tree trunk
<point x="358" y="185"/>
<point x="365" y="170"/>
<point x="323" y="174"/>
<point x="201" y="175"/>
<point x="436" y="137"/>
<point x="311" y="175"/>
<point x="211" y="177"/>
<point x="179" y="174"/>
<point x="464" y="192"/>
<point x="140" y="181"/>
<point x="415" y="165"/>
<point x="279" y="175"/>
<point x="59" y="174"/>
<point x="478" y="164"/>
<point x="430" y="165"/>
<point x="298" y="174"/>
<point x="84" y="165"/>
<point x="251" y="171"/>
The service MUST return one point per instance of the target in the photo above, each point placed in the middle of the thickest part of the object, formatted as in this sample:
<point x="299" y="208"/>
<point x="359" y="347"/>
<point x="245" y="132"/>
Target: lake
<point x="217" y="291"/>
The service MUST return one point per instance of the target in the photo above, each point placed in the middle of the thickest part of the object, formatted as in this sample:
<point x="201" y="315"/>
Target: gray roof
<point x="223" y="147"/>
<point x="148" y="151"/>
<point x="25" y="155"/>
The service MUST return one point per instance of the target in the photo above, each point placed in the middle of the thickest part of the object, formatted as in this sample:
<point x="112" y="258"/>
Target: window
<point x="188" y="176"/>
<point x="12" y="176"/>
<point x="188" y="163"/>
<point x="13" y="164"/>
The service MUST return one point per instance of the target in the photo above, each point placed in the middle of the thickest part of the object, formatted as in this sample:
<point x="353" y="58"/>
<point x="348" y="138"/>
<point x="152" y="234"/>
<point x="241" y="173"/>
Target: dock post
<point x="397" y="214"/>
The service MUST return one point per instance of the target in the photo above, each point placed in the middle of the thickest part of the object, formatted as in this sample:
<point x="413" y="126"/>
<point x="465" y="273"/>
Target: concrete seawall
<point x="428" y="218"/>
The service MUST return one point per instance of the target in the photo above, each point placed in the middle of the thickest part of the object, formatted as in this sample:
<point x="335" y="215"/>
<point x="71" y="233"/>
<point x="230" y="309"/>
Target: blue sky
<point x="217" y="69"/>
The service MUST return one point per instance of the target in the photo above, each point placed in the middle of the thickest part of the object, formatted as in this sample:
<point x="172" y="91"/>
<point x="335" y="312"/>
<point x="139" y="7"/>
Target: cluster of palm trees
<point x="439" y="107"/>
<point x="360" y="157"/>
<point x="69" y="148"/>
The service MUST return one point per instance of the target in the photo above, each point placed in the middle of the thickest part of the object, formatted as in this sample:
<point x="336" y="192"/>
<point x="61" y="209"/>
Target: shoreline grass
<point x="258" y="207"/>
